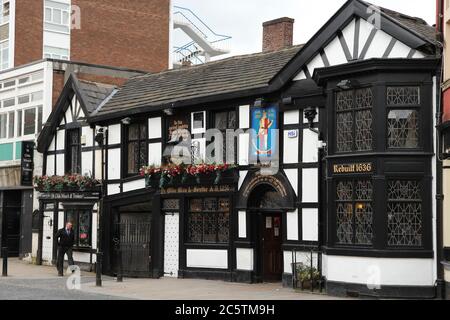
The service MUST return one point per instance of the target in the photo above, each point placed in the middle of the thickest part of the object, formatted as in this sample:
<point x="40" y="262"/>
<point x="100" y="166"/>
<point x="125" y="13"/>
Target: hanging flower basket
<point x="69" y="183"/>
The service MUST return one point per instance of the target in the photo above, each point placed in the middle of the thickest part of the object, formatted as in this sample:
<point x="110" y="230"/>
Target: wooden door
<point x="11" y="228"/>
<point x="272" y="253"/>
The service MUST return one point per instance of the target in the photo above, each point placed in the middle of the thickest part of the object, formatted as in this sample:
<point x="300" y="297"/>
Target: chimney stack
<point x="278" y="34"/>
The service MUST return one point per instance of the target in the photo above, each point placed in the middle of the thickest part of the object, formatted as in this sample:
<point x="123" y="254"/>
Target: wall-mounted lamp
<point x="100" y="136"/>
<point x="446" y="143"/>
<point x="258" y="103"/>
<point x="347" y="84"/>
<point x="126" y="121"/>
<point x="168" y="112"/>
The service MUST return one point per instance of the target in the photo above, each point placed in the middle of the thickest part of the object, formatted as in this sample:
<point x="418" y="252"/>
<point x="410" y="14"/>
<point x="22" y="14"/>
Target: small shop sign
<point x="364" y="167"/>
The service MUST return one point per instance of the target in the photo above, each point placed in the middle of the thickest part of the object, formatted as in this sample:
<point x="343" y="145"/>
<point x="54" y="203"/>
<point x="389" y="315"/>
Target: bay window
<point x="354" y="120"/>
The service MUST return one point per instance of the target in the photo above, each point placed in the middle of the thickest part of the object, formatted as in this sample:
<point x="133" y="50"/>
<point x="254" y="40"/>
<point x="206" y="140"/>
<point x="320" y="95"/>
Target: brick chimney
<point x="278" y="34"/>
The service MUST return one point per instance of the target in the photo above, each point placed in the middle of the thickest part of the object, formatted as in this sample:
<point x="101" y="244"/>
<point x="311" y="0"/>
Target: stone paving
<point x="27" y="281"/>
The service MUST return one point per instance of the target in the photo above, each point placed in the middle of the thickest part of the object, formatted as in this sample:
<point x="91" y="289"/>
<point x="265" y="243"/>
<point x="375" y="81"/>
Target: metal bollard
<point x="5" y="261"/>
<point x="120" y="273"/>
<point x="98" y="278"/>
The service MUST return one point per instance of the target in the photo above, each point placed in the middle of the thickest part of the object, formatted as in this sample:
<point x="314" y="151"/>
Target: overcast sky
<point x="242" y="19"/>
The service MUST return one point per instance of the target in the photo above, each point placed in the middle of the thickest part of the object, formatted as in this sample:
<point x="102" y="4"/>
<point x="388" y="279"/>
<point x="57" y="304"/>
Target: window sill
<point x="376" y="253"/>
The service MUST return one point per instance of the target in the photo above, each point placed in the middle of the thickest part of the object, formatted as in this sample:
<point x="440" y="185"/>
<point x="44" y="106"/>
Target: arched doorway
<point x="264" y="206"/>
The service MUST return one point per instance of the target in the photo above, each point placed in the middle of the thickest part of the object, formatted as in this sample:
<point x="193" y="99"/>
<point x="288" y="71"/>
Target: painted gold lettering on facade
<point x="353" y="168"/>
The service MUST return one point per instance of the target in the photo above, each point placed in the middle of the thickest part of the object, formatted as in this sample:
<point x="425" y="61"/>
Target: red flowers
<point x="172" y="171"/>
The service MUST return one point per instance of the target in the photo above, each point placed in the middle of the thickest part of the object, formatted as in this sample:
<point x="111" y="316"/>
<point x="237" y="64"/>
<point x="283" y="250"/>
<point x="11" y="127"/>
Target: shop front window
<point x="354" y="212"/>
<point x="81" y="220"/>
<point x="404" y="210"/>
<point x="354" y="120"/>
<point x="208" y="220"/>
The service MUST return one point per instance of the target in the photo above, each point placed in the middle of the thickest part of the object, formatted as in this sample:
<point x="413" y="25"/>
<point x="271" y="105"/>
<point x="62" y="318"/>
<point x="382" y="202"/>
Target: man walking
<point x="65" y="238"/>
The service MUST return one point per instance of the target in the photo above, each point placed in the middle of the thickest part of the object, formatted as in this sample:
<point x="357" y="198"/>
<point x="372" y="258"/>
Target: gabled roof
<point x="413" y="32"/>
<point x="261" y="73"/>
<point x="236" y="74"/>
<point x="90" y="95"/>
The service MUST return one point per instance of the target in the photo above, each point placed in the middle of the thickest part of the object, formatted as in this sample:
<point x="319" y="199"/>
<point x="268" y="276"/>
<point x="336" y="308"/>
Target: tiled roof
<point x="94" y="93"/>
<point x="219" y="77"/>
<point x="414" y="24"/>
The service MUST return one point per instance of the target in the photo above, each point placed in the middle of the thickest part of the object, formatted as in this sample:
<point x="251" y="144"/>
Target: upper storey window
<point x="57" y="16"/>
<point x="354" y="130"/>
<point x="403" y="123"/>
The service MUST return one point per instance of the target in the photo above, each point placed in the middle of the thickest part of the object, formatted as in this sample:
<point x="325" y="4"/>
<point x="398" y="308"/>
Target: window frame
<point x="139" y="141"/>
<point x="354" y="110"/>
<point x="418" y="108"/>
<point x="77" y="210"/>
<point x="203" y="212"/>
<point x="212" y="125"/>
<point x="68" y="153"/>
<point x="354" y="201"/>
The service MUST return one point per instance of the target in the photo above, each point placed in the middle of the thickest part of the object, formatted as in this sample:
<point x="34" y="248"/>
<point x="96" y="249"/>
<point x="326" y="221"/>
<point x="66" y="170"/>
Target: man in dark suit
<point x="65" y="238"/>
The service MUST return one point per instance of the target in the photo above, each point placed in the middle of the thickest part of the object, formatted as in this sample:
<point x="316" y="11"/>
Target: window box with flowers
<point x="187" y="174"/>
<point x="67" y="183"/>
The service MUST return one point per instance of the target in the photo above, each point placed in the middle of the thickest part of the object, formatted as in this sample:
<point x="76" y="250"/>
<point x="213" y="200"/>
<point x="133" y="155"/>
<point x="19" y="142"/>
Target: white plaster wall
<point x="300" y="257"/>
<point x="244" y="259"/>
<point x="154" y="128"/>
<point x="242" y="175"/>
<point x="98" y="164"/>
<point x="134" y="185"/>
<point x="292" y="225"/>
<point x="335" y="53"/>
<point x="89" y="135"/>
<point x="291" y="145"/>
<point x="216" y="259"/>
<point x="244" y="140"/>
<point x="310" y="186"/>
<point x="310" y="143"/>
<point x="400" y="50"/>
<point x="114" y="164"/>
<point x="86" y="163"/>
<point x="154" y="153"/>
<point x="349" y="35"/>
<point x="50" y="165"/>
<point x="310" y="225"/>
<point x="113" y="189"/>
<point x="292" y="117"/>
<point x="242" y="224"/>
<point x="60" y="166"/>
<point x="362" y="270"/>
<point x="60" y="137"/>
<point x="292" y="175"/>
<point x="244" y="117"/>
<point x="114" y="134"/>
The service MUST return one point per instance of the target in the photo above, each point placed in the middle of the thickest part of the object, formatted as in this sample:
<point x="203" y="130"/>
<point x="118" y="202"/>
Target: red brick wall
<point x="446" y="105"/>
<point x="29" y="31"/>
<point x="278" y="34"/>
<point x="132" y="34"/>
<point x="58" y="85"/>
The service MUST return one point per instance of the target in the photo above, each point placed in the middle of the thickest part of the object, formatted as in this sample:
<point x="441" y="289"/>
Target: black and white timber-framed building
<point x="356" y="180"/>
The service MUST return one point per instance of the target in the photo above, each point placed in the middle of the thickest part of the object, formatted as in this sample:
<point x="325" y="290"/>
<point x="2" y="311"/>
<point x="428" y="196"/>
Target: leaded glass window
<point x="403" y="121"/>
<point x="137" y="147"/>
<point x="354" y="212"/>
<point x="73" y="151"/>
<point x="404" y="210"/>
<point x="226" y="122"/>
<point x="403" y="96"/>
<point x="354" y="120"/>
<point x="209" y="220"/>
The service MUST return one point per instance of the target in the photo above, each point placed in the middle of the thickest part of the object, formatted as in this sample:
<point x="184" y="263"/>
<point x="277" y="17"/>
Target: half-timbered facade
<point x="353" y="191"/>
